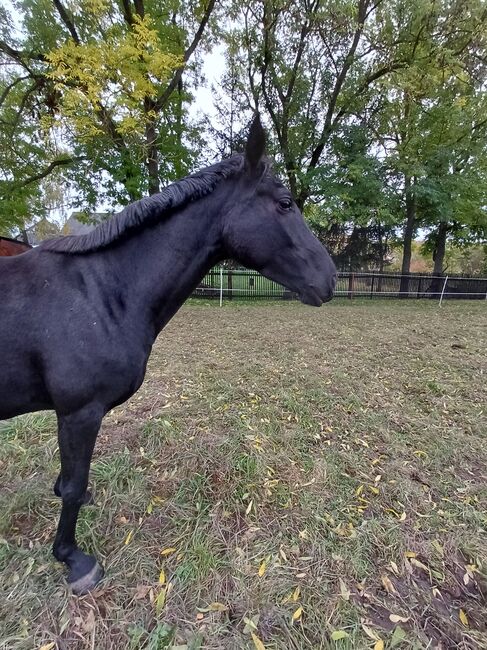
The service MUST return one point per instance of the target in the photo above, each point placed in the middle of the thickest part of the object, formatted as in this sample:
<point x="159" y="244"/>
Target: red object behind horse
<point x="10" y="247"/>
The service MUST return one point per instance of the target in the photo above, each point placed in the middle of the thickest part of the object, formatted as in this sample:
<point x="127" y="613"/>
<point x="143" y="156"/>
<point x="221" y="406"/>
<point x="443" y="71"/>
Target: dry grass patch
<point x="306" y="478"/>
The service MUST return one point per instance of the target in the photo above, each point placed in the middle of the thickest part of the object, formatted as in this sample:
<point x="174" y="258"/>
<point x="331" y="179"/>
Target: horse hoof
<point x="87" y="582"/>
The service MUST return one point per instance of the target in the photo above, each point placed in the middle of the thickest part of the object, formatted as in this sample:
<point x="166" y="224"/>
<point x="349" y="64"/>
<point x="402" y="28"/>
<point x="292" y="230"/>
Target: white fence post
<point x="443" y="290"/>
<point x="221" y="286"/>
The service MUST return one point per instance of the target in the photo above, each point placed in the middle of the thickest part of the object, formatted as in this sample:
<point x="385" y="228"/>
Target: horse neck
<point x="161" y="265"/>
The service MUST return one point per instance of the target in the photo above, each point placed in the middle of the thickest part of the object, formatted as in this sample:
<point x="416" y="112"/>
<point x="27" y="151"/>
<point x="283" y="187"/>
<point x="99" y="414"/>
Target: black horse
<point x="79" y="315"/>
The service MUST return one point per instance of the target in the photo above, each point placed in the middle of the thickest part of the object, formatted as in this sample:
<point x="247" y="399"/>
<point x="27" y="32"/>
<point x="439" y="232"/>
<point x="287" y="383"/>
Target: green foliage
<point x="94" y="93"/>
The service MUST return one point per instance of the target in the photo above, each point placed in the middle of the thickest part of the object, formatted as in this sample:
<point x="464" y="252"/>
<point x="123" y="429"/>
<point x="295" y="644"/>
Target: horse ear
<point x="255" y="147"/>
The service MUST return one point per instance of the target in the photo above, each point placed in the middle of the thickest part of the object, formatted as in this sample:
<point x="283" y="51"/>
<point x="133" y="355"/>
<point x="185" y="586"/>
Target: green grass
<point x="280" y="457"/>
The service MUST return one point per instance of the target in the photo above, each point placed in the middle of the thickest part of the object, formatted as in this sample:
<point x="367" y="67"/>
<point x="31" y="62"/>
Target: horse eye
<point x="285" y="204"/>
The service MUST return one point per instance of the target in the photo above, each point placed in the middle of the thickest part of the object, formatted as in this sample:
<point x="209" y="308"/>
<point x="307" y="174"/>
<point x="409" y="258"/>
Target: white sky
<point x="213" y="69"/>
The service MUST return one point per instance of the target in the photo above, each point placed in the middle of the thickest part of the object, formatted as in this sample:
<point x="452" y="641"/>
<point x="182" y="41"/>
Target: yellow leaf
<point x="262" y="568"/>
<point x="287" y="598"/>
<point x="162" y="577"/>
<point x="48" y="646"/>
<point x="339" y="634"/>
<point x="359" y="490"/>
<point x="296" y="593"/>
<point x="463" y="617"/>
<point x="217" y="607"/>
<point x="410" y="554"/>
<point x="257" y="642"/>
<point x="297" y="614"/>
<point x="419" y="564"/>
<point x="379" y="645"/>
<point x="129" y="537"/>
<point x="168" y="551"/>
<point x="160" y="601"/>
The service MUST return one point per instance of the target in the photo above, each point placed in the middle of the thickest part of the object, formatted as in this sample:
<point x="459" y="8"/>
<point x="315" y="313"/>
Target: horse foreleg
<point x="88" y="498"/>
<point x="77" y="435"/>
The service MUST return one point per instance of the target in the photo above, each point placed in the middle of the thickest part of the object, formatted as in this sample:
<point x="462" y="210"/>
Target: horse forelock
<point x="149" y="210"/>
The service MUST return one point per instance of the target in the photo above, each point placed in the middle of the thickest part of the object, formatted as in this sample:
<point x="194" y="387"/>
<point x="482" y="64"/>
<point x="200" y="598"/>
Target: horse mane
<point x="148" y="210"/>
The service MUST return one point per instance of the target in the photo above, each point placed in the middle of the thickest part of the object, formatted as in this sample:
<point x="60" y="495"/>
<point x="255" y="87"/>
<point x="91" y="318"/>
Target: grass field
<point x="286" y="478"/>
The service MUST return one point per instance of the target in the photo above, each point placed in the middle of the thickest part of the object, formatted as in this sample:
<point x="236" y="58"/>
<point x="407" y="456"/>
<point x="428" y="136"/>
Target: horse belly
<point x="22" y="390"/>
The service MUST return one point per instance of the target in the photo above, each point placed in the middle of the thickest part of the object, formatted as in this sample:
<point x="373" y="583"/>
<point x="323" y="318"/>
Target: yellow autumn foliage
<point x="119" y="71"/>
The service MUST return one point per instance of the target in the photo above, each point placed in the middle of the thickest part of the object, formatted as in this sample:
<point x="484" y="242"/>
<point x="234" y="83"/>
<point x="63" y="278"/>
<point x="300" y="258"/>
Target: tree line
<point x="376" y="110"/>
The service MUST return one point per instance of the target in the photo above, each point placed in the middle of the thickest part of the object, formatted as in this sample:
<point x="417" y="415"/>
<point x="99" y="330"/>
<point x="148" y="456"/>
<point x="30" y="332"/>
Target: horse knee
<point x="73" y="493"/>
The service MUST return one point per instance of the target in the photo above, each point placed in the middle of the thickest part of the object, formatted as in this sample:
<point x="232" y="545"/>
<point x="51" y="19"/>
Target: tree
<point x="99" y="87"/>
<point x="432" y="112"/>
<point x="356" y="213"/>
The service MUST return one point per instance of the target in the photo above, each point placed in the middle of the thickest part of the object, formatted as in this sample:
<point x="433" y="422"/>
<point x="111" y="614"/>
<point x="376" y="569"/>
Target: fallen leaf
<point x="463" y="617"/>
<point x="395" y="618"/>
<point x="388" y="586"/>
<point x="339" y="634"/>
<point x="262" y="568"/>
<point x="395" y="568"/>
<point x="379" y="645"/>
<point x="249" y="625"/>
<point x="297" y="614"/>
<point x="344" y="590"/>
<point x="217" y="607"/>
<point x="162" y="577"/>
<point x="141" y="591"/>
<point x="257" y="642"/>
<point x="402" y="517"/>
<point x="296" y="593"/>
<point x="249" y="507"/>
<point x="48" y="646"/>
<point x="410" y="554"/>
<point x="370" y="633"/>
<point x="200" y="616"/>
<point x="419" y="564"/>
<point x="160" y="601"/>
<point x="129" y="537"/>
<point x="168" y="551"/>
<point x="398" y="637"/>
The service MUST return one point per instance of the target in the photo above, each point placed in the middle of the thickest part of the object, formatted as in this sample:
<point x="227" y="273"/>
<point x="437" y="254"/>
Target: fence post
<point x="350" y="285"/>
<point x="372" y="286"/>
<point x="418" y="295"/>
<point x="229" y="284"/>
<point x="221" y="286"/>
<point x="443" y="290"/>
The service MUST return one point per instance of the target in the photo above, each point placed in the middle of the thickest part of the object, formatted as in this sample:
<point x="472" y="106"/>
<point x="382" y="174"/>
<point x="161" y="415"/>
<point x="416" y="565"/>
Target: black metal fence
<point x="222" y="283"/>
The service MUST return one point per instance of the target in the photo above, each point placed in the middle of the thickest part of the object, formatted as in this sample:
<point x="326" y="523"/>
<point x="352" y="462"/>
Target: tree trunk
<point x="440" y="249"/>
<point x="439" y="258"/>
<point x="408" y="234"/>
<point x="152" y="160"/>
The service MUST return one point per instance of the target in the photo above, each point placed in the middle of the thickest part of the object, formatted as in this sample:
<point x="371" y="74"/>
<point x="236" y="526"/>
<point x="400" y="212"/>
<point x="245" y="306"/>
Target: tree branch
<point x="173" y="84"/>
<point x="45" y="172"/>
<point x="67" y="21"/>
<point x="8" y="88"/>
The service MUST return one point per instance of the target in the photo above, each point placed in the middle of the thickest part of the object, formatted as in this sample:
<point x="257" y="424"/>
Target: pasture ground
<point x="286" y="476"/>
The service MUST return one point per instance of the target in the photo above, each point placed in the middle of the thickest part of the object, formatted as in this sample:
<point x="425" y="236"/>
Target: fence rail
<point x="221" y="283"/>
